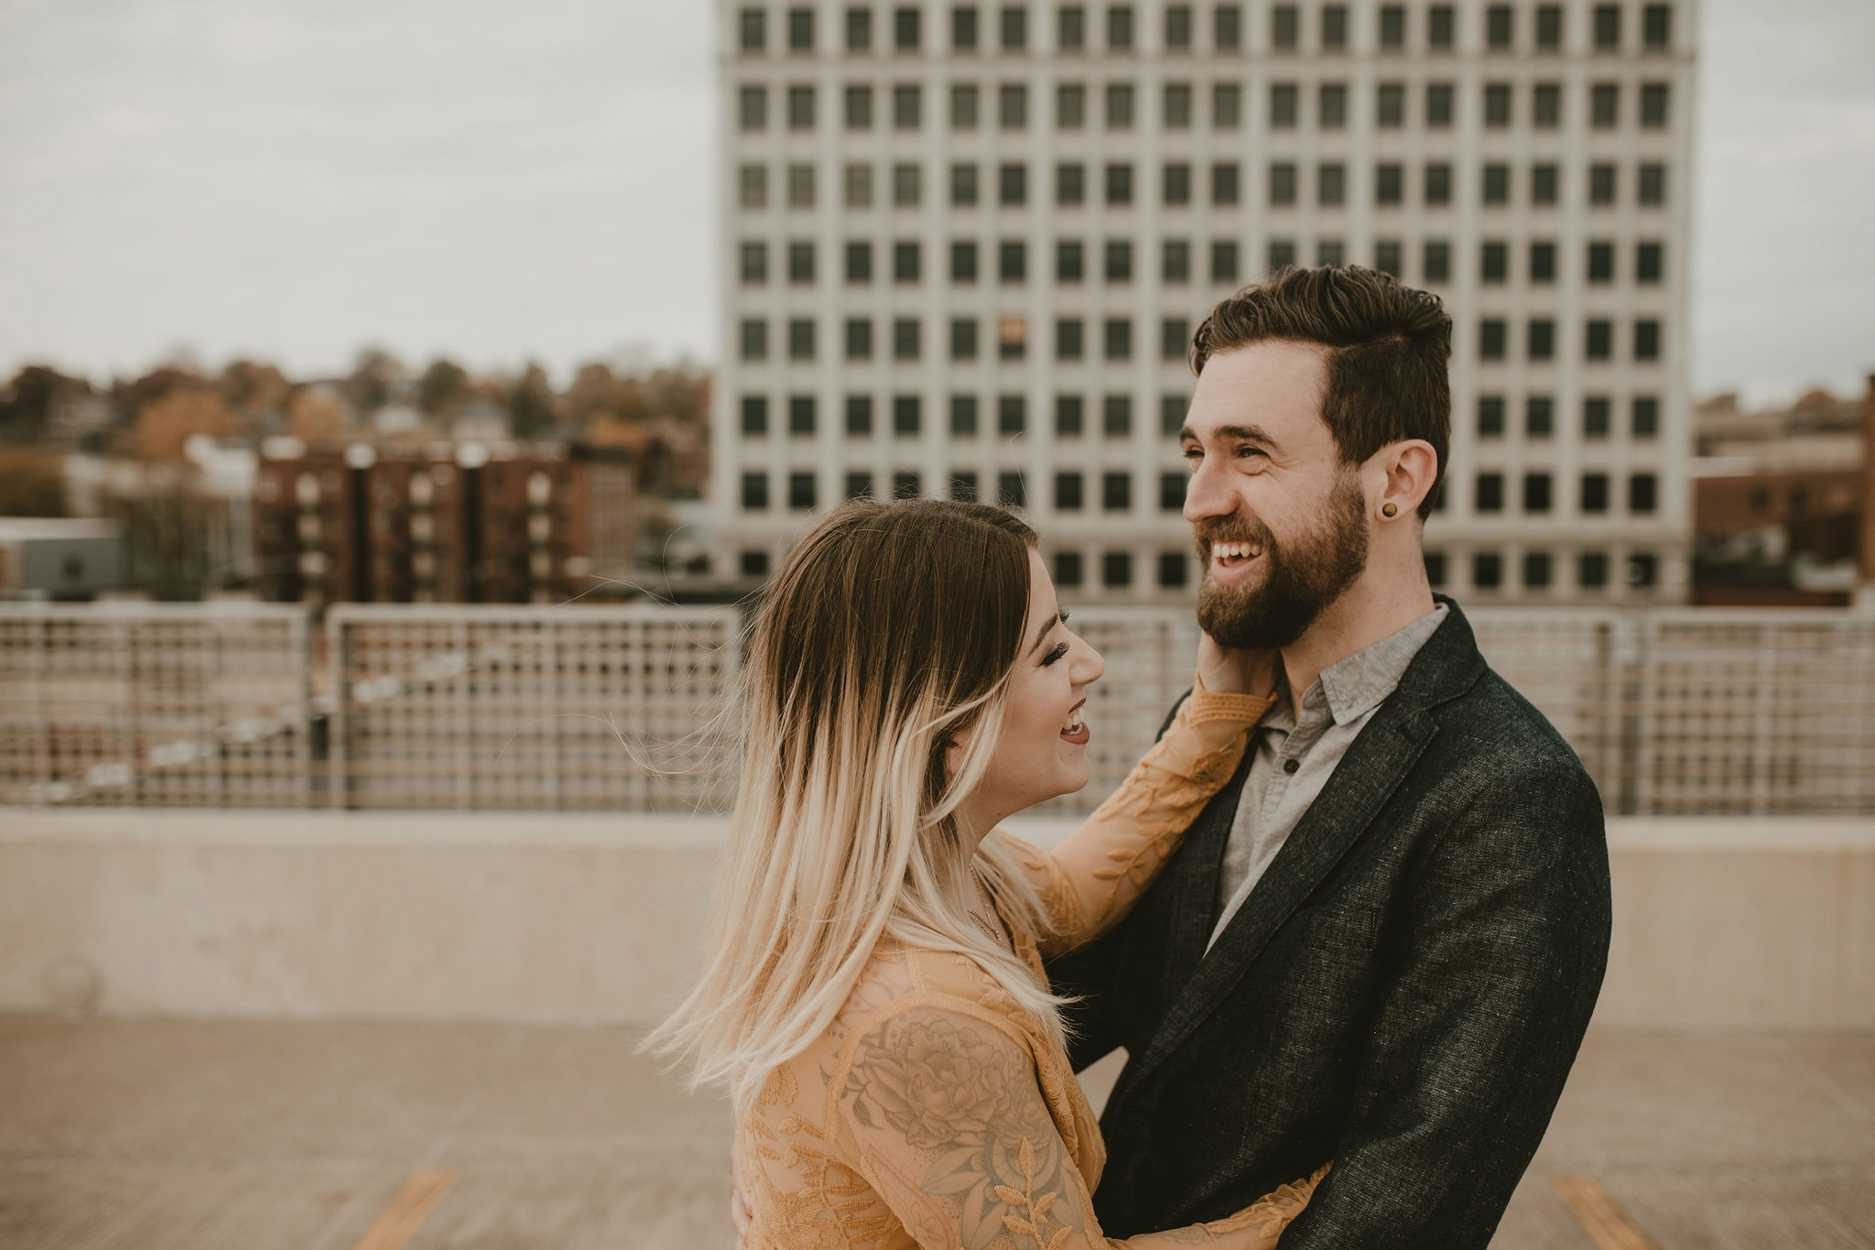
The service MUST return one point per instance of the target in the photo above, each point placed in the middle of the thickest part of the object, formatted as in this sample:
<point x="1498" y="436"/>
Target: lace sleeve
<point x="1096" y="875"/>
<point x="954" y="1134"/>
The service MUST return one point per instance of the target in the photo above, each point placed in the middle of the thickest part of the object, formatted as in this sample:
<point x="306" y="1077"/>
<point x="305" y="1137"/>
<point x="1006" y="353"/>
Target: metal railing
<point x="1678" y="711"/>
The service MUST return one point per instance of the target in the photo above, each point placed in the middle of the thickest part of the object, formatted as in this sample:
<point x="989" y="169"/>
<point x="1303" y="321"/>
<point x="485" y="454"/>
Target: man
<point x="1381" y="943"/>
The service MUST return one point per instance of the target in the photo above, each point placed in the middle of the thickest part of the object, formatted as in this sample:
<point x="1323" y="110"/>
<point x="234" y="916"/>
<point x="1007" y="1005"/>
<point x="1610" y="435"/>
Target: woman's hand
<point x="1234" y="670"/>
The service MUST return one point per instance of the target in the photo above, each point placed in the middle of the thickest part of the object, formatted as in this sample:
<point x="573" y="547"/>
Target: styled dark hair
<point x="1386" y="364"/>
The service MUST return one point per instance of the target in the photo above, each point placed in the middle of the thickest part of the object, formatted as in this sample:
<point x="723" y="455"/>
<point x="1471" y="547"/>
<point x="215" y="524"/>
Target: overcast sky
<point x="292" y="179"/>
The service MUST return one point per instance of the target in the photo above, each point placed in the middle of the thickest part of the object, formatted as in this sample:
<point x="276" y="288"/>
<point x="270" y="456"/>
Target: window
<point x="1493" y="262"/>
<point x="752" y="186"/>
<point x="1592" y="570"/>
<point x="859" y="484"/>
<point x="1490" y="416"/>
<point x="1536" y="570"/>
<point x="1015" y="28"/>
<point x="1328" y="252"/>
<point x="1227" y="27"/>
<point x="800" y="491"/>
<point x="752" y="108"/>
<point x="1178" y="106"/>
<point x="1119" y="253"/>
<point x="859" y="416"/>
<point x="1175" y="184"/>
<point x="858" y="179"/>
<point x="1285" y="25"/>
<point x="1119" y="97"/>
<point x="1654" y="97"/>
<point x="1389" y="257"/>
<point x="1071" y="28"/>
<point x="754" y="492"/>
<point x="1436" y="260"/>
<point x="964" y="486"/>
<point x="1438" y="183"/>
<point x="905" y="338"/>
<point x="1012" y="185"/>
<point x="907" y="106"/>
<point x="1172" y="416"/>
<point x="1068" y="570"/>
<point x="1174" y="334"/>
<point x="1643" y="489"/>
<point x="1068" y="334"/>
<point x="1068" y="492"/>
<point x="1175" y="261"/>
<point x="1119" y="27"/>
<point x="1496" y="184"/>
<point x="754" y="340"/>
<point x="1334" y="27"/>
<point x="963" y="185"/>
<point x="800" y="108"/>
<point x="1546" y="105"/>
<point x="964" y="28"/>
<point x="906" y="486"/>
<point x="1011" y="415"/>
<point x="1594" y="496"/>
<point x="1440" y="26"/>
<point x="1070" y="184"/>
<point x="1012" y="261"/>
<point x="1282" y="183"/>
<point x="1653" y="185"/>
<point x="1390" y="106"/>
<point x="1389" y="183"/>
<point x="800" y="186"/>
<point x="1497" y="104"/>
<point x="1487" y="570"/>
<point x="1281" y="254"/>
<point x="1068" y="416"/>
<point x="1657" y="27"/>
<point x="1439" y="97"/>
<point x="1283" y="105"/>
<point x="858" y="109"/>
<point x="801" y="263"/>
<point x="1224" y="183"/>
<point x="1332" y="102"/>
<point x="1393" y="26"/>
<point x="1536" y="492"/>
<point x="1174" y="569"/>
<point x="1595" y="422"/>
<point x="1598" y="339"/>
<point x="1223" y="262"/>
<point x="859" y="338"/>
<point x="1119" y="184"/>
<point x="905" y="29"/>
<point x="1605" y="105"/>
<point x="1489" y="496"/>
<point x="1646" y="340"/>
<point x="1116" y="492"/>
<point x="1643" y="570"/>
<point x="964" y="106"/>
<point x="1607" y="27"/>
<point x="1178" y="27"/>
<point x="1540" y="339"/>
<point x="753" y="563"/>
<point x="1172" y="491"/>
<point x="1549" y="18"/>
<point x="1070" y="106"/>
<point x="1601" y="184"/>
<point x="1012" y="106"/>
<point x="963" y="338"/>
<point x="753" y="26"/>
<point x="1226" y="106"/>
<point x="1116" y="570"/>
<point x="1069" y="260"/>
<point x="963" y="261"/>
<point x="906" y="260"/>
<point x="1499" y="28"/>
<point x="754" y="263"/>
<point x="1116" y="416"/>
<point x="1435" y="568"/>
<point x="1542" y="262"/>
<point x="755" y="415"/>
<point x="1492" y="333"/>
<point x="1010" y="492"/>
<point x="1601" y="262"/>
<point x="1648" y="264"/>
<point x="963" y="416"/>
<point x="1545" y="185"/>
<point x="1117" y="339"/>
<point x="1645" y="417"/>
<point x="907" y="416"/>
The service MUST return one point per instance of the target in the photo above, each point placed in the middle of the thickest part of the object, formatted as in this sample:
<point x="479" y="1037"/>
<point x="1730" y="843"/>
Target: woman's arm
<point x="1094" y="877"/>
<point x="955" y="1136"/>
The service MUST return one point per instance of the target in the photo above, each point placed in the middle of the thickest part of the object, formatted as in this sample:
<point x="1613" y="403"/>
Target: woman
<point x="874" y="997"/>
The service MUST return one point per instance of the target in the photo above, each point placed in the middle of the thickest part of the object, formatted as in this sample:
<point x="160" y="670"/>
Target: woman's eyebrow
<point x="1043" y="632"/>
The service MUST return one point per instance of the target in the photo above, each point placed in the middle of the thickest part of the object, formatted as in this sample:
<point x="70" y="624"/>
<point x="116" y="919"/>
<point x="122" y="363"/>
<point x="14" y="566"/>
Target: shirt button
<point x="1290" y="766"/>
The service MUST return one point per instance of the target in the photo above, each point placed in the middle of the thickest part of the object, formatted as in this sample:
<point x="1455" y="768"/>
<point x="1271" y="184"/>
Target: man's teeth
<point x="1240" y="551"/>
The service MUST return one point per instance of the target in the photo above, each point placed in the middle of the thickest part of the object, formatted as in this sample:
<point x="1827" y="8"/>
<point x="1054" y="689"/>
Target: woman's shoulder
<point x="899" y="980"/>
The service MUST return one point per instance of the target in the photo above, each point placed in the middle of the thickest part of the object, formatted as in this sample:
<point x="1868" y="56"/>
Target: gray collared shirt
<point x="1297" y="751"/>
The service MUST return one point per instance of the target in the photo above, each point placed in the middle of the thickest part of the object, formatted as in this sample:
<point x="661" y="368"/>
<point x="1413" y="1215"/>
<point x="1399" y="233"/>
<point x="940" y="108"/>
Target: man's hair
<point x="1387" y="343"/>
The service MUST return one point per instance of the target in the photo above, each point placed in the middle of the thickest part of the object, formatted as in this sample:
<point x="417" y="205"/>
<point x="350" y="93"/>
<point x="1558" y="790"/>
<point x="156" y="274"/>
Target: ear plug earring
<point x="1389" y="509"/>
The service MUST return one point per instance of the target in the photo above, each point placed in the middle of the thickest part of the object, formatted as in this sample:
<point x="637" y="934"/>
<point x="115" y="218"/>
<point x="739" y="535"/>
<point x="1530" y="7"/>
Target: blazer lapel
<point x="1194" y="883"/>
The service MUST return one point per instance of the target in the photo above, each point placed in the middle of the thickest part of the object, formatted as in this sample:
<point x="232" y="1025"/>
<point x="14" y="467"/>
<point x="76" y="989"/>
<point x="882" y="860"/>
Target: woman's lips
<point x="1076" y="730"/>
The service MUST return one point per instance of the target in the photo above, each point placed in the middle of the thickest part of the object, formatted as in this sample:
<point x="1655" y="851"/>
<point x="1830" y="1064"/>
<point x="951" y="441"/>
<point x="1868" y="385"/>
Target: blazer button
<point x="1290" y="766"/>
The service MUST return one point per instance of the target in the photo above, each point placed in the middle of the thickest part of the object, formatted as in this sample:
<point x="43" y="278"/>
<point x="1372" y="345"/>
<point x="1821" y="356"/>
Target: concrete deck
<point x="173" y="1135"/>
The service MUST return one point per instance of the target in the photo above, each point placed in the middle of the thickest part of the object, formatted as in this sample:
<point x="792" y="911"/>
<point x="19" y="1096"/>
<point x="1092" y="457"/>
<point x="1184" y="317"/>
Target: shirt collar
<point x="1356" y="685"/>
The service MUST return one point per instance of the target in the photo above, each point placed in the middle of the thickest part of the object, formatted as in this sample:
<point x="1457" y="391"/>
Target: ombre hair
<point x="887" y="638"/>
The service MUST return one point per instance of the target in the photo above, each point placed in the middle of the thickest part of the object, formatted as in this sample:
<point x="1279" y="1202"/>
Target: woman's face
<point x="1043" y="749"/>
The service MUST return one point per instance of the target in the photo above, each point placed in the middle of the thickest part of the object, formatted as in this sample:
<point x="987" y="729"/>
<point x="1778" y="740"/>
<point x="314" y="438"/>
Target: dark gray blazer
<point x="1403" y="992"/>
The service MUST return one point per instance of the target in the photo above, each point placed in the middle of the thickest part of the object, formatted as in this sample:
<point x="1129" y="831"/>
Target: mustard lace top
<point x="935" y="1112"/>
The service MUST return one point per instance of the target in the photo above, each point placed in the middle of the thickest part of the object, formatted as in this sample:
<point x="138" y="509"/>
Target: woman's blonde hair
<point x="888" y="635"/>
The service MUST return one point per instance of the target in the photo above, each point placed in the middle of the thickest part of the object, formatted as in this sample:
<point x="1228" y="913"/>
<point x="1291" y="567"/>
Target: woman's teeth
<point x="1235" y="551"/>
<point x="1076" y="722"/>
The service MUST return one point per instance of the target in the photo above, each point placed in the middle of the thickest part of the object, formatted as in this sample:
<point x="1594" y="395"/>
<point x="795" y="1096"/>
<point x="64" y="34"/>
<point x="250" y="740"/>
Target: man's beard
<point x="1300" y="579"/>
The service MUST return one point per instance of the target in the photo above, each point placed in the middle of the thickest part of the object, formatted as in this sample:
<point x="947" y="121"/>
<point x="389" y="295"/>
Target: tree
<point x="165" y="425"/>
<point x="30" y="399"/>
<point x="253" y="390"/>
<point x="31" y="483"/>
<point x="531" y="404"/>
<point x="375" y="379"/>
<point x="443" y="389"/>
<point x="316" y="414"/>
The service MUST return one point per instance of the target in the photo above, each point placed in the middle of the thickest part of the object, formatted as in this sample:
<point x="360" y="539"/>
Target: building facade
<point x="964" y="246"/>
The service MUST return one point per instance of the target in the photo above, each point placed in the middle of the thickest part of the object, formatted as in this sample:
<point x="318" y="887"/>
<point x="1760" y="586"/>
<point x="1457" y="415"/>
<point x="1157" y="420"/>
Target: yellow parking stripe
<point x="398" y="1222"/>
<point x="1598" y="1214"/>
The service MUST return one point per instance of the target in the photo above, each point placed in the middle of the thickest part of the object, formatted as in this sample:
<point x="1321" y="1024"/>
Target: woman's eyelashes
<point x="1060" y="649"/>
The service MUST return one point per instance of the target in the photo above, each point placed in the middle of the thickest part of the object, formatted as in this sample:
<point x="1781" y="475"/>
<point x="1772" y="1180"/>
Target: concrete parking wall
<point x="1721" y="924"/>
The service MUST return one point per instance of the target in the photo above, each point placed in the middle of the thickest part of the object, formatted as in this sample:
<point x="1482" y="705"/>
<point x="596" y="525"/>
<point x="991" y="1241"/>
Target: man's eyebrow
<point x="1232" y="433"/>
<point x="1043" y="631"/>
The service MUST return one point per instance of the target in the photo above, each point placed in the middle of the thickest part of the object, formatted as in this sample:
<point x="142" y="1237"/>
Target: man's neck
<point x="1378" y="605"/>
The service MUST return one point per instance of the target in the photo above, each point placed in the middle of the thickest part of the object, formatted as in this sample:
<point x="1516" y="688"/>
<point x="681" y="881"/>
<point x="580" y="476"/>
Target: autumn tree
<point x="28" y="402"/>
<point x="165" y="425"/>
<point x="444" y="388"/>
<point x="374" y="380"/>
<point x="31" y="483"/>
<point x="531" y="404"/>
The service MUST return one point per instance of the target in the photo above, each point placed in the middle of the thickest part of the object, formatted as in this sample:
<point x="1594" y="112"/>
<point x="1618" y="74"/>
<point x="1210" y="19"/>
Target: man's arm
<point x="1474" y="1036"/>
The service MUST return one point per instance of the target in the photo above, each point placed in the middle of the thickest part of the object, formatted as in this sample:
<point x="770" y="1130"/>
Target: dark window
<point x="906" y="486"/>
<point x="1607" y="26"/>
<point x="1176" y="183"/>
<point x="1390" y="257"/>
<point x="1601" y="262"/>
<point x="859" y="262"/>
<point x="1223" y="260"/>
<point x="1435" y="568"/>
<point x="1549" y="18"/>
<point x="1492" y="333"/>
<point x="1436" y="260"/>
<point x="1438" y="183"/>
<point x="1284" y="105"/>
<point x="1174" y="569"/>
<point x="1012" y="338"/>
<point x="1178" y="106"/>
<point x="1068" y="345"/>
<point x="1178" y="26"/>
<point x="905" y="29"/>
<point x="753" y="25"/>
<point x="1542" y="261"/>
<point x="1172" y="491"/>
<point x="1390" y="105"/>
<point x="1069" y="263"/>
<point x="1282" y="183"/>
<point x="1119" y="254"/>
<point x="859" y="484"/>
<point x="1497" y="184"/>
<point x="1015" y="28"/>
<point x="1487" y="570"/>
<point x="963" y="416"/>
<point x="1545" y="185"/>
<point x="1393" y="26"/>
<point x="1071" y="27"/>
<point x="963" y="260"/>
<point x="1642" y="491"/>
<point x="1012" y="261"/>
<point x="1070" y="184"/>
<point x="800" y="186"/>
<point x="752" y="108"/>
<point x="1440" y="26"/>
<point x="1654" y="97"/>
<point x="1439" y="98"/>
<point x="1172" y="413"/>
<point x="800" y="108"/>
<point x="1647" y="262"/>
<point x="1490" y="493"/>
<point x="1595" y="416"/>
<point x="964" y="486"/>
<point x="1594" y="497"/>
<point x="1653" y="185"/>
<point x="1499" y="27"/>
<point x="963" y="106"/>
<point x="752" y="186"/>
<point x="1012" y="106"/>
<point x="1497" y="104"/>
<point x="1592" y="570"/>
<point x="1540" y="339"/>
<point x="858" y="110"/>
<point x="1285" y="26"/>
<point x="859" y="338"/>
<point x="1645" y="417"/>
<point x="964" y="28"/>
<point x="1546" y="105"/>
<point x="1009" y="490"/>
<point x="905" y="338"/>
<point x="1282" y="254"/>
<point x="1601" y="184"/>
<point x="1389" y="183"/>
<point x="1328" y="252"/>
<point x="753" y="563"/>
<point x="800" y="491"/>
<point x="963" y="185"/>
<point x="1116" y="416"/>
<point x="1119" y="106"/>
<point x="1012" y="185"/>
<point x="1490" y="416"/>
<point x="755" y="415"/>
<point x="906" y="260"/>
<point x="1657" y="27"/>
<point x="858" y="186"/>
<point x="1334" y="26"/>
<point x="1536" y="492"/>
<point x="1536" y="570"/>
<point x="1117" y="339"/>
<point x="1175" y="261"/>
<point x="1493" y="262"/>
<point x="907" y="186"/>
<point x="1643" y="570"/>
<point x="1647" y="340"/>
<point x="1226" y="106"/>
<point x="754" y="340"/>
<point x="1224" y="183"/>
<point x="1227" y="28"/>
<point x="1119" y="184"/>
<point x="858" y="30"/>
<point x="800" y="263"/>
<point x="1068" y="416"/>
<point x="1598" y="339"/>
<point x="1119" y="27"/>
<point x="907" y="416"/>
<point x="859" y="416"/>
<point x="754" y="492"/>
<point x="1539" y="416"/>
<point x="1116" y="570"/>
<point x="963" y="338"/>
<point x="1068" y="570"/>
<point x="1605" y="105"/>
<point x="1068" y="492"/>
<point x="1116" y="492"/>
<point x="754" y="263"/>
<point x="1332" y="105"/>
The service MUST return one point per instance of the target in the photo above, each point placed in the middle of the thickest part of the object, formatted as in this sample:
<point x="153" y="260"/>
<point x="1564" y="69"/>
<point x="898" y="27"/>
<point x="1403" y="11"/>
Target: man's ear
<point x="1408" y="470"/>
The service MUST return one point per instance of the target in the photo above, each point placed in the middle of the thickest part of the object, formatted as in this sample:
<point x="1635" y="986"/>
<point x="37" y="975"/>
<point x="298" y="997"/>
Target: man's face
<point x="1279" y="522"/>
